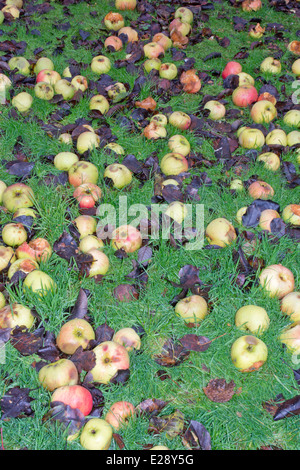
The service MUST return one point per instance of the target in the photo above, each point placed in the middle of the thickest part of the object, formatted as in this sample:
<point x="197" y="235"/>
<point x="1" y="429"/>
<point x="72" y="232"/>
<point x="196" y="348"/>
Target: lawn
<point x="239" y="411"/>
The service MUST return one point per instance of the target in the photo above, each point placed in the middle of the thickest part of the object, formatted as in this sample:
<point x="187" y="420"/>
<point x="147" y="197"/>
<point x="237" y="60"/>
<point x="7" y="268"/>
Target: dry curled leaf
<point x="148" y="103"/>
<point x="219" y="391"/>
<point x="172" y="424"/>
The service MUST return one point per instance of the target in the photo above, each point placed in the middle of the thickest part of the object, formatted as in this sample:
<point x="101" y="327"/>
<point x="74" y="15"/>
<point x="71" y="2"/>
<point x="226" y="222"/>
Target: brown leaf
<point x="151" y="406"/>
<point x="172" y="424"/>
<point x="148" y="103"/>
<point x="193" y="342"/>
<point x="171" y="354"/>
<point x="219" y="391"/>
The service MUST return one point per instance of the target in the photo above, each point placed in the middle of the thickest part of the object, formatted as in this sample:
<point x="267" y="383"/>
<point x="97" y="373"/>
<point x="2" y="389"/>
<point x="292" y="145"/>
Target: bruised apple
<point x="260" y="190"/>
<point x="73" y="334"/>
<point x="119" y="413"/>
<point x="16" y="315"/>
<point x="173" y="164"/>
<point x="270" y="159"/>
<point x="190" y="81"/>
<point x="58" y="374"/>
<point x="76" y="396"/>
<point x="87" y="194"/>
<point x="25" y="266"/>
<point x="180" y="120"/>
<point x="100" y="263"/>
<point x="220" y="232"/>
<point x="266" y="218"/>
<point x="7" y="256"/>
<point x="291" y="214"/>
<point x="126" y="237"/>
<point x="154" y="130"/>
<point x="128" y="338"/>
<point x="277" y="280"/>
<point x="83" y="172"/>
<point x="110" y="358"/>
<point x="179" y="144"/>
<point x="120" y="175"/>
<point x="86" y="225"/>
<point x="249" y="353"/>
<point x="14" y="234"/>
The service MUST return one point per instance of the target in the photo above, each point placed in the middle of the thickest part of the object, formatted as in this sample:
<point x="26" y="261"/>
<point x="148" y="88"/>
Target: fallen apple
<point x="75" y="396"/>
<point x="119" y="414"/>
<point x="119" y="174"/>
<point x="16" y="315"/>
<point x="290" y="306"/>
<point x="86" y="225"/>
<point x="248" y="353"/>
<point x="193" y="309"/>
<point x="291" y="214"/>
<point x="291" y="338"/>
<point x="266" y="218"/>
<point x="232" y="68"/>
<point x="39" y="282"/>
<point x="100" y="64"/>
<point x="277" y="280"/>
<point x="263" y="112"/>
<point x="87" y="194"/>
<point x="25" y="266"/>
<point x="270" y="65"/>
<point x="252" y="318"/>
<point x="128" y="338"/>
<point x="64" y="160"/>
<point x="90" y="242"/>
<point x="177" y="211"/>
<point x="44" y="91"/>
<point x="37" y="249"/>
<point x="220" y="232"/>
<point x="127" y="238"/>
<point x="217" y="110"/>
<point x="180" y="120"/>
<point x="58" y="374"/>
<point x="100" y="263"/>
<point x="82" y="172"/>
<point x="179" y="144"/>
<point x="87" y="140"/>
<point x="20" y="64"/>
<point x="251" y="138"/>
<point x="244" y="96"/>
<point x="270" y="159"/>
<point x="292" y="117"/>
<point x="43" y="63"/>
<point x="22" y="101"/>
<point x="173" y="164"/>
<point x="17" y="196"/>
<point x="110" y="358"/>
<point x="260" y="190"/>
<point x="276" y="137"/>
<point x="7" y="257"/>
<point x="96" y="434"/>
<point x="73" y="334"/>
<point x="14" y="234"/>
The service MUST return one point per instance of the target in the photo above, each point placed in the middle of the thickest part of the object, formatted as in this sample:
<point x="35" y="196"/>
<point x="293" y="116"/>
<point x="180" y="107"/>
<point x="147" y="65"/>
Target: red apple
<point x="48" y="76"/>
<point x="260" y="190"/>
<point x="125" y="4"/>
<point x="113" y="43"/>
<point x="231" y="68"/>
<point x="119" y="413"/>
<point x="110" y="358"/>
<point x="244" y="95"/>
<point x="87" y="195"/>
<point x="38" y="249"/>
<point x="153" y="50"/>
<point x="75" y="396"/>
<point x="180" y="120"/>
<point x="126" y="237"/>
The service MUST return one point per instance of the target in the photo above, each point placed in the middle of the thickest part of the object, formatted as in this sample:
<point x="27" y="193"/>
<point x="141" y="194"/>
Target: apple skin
<point x="245" y="79"/>
<point x="270" y="65"/>
<point x="90" y="242"/>
<point x="291" y="214"/>
<point x="7" y="256"/>
<point x="276" y="137"/>
<point x="193" y="309"/>
<point x="251" y="138"/>
<point x="263" y="112"/>
<point x="14" y="234"/>
<point x="131" y="33"/>
<point x="153" y="50"/>
<point x="177" y="211"/>
<point x="100" y="264"/>
<point x="292" y="117"/>
<point x="151" y="64"/>
<point x="290" y="305"/>
<point x="96" y="434"/>
<point x="291" y="338"/>
<point x="126" y="237"/>
<point x="110" y="358"/>
<point x="293" y="138"/>
<point x="248" y="353"/>
<point x="271" y="160"/>
<point x="58" y="374"/>
<point x="88" y="140"/>
<point x="22" y="101"/>
<point x="21" y="64"/>
<point x="3" y="187"/>
<point x="44" y="91"/>
<point x="179" y="144"/>
<point x="119" y="413"/>
<point x="83" y="172"/>
<point x="17" y="196"/>
<point x="65" y="88"/>
<point x="260" y="190"/>
<point x="76" y="396"/>
<point x="252" y="318"/>
<point x="64" y="160"/>
<point x="179" y="26"/>
<point x="296" y="67"/>
<point x="266" y="218"/>
<point x="38" y="249"/>
<point x="2" y="300"/>
<point x="16" y="315"/>
<point x="114" y="43"/>
<point x="128" y="338"/>
<point x="73" y="334"/>
<point x="240" y="213"/>
<point x="25" y="265"/>
<point x="163" y="40"/>
<point x="120" y="175"/>
<point x="244" y="96"/>
<point x="180" y="120"/>
<point x="39" y="282"/>
<point x="190" y="81"/>
<point x="125" y="4"/>
<point x="220" y="232"/>
<point x="117" y="148"/>
<point x="277" y="280"/>
<point x="100" y="64"/>
<point x="231" y="68"/>
<point x="99" y="103"/>
<point x="217" y="110"/>
<point x="87" y="194"/>
<point x="168" y="71"/>
<point x="114" y="21"/>
<point x="48" y="76"/>
<point x="42" y="64"/>
<point x="184" y="14"/>
<point x="86" y="225"/>
<point x="80" y="82"/>
<point x="173" y="164"/>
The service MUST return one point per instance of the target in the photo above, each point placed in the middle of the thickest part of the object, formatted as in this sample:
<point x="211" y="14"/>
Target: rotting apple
<point x="193" y="309"/>
<point x="151" y="64"/>
<point x="14" y="234"/>
<point x="37" y="249"/>
<point x="220" y="232"/>
<point x="7" y="257"/>
<point x="114" y="21"/>
<point x="168" y="70"/>
<point x="73" y="334"/>
<point x="80" y="82"/>
<point x="125" y="4"/>
<point x="115" y="147"/>
<point x="270" y="65"/>
<point x="266" y="218"/>
<point x="25" y="265"/>
<point x="277" y="280"/>
<point x="184" y="14"/>
<point x="179" y="26"/>
<point x="2" y="300"/>
<point x="3" y="187"/>
<point x="76" y="396"/>
<point x="21" y="64"/>
<point x="249" y="353"/>
<point x="179" y="144"/>
<point x="100" y="64"/>
<point x="16" y="315"/>
<point x="58" y="374"/>
<point x="252" y="318"/>
<point x="128" y="338"/>
<point x="155" y="131"/>
<point x="86" y="225"/>
<point x="263" y="112"/>
<point x="96" y="434"/>
<point x="44" y="91"/>
<point x="131" y="34"/>
<point x="119" y="414"/>
<point x="173" y="164"/>
<point x="163" y="40"/>
<point x="65" y="88"/>
<point x="153" y="50"/>
<point x="190" y="81"/>
<point x="160" y="119"/>
<point x="119" y="174"/>
<point x="110" y="358"/>
<point x="217" y="110"/>
<point x="126" y="237"/>
<point x="82" y="172"/>
<point x="113" y="43"/>
<point x="99" y="103"/>
<point x="291" y="214"/>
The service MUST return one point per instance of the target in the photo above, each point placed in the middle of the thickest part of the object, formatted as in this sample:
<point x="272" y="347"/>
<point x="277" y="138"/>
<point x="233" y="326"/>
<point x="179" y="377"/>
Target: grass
<point x="240" y="424"/>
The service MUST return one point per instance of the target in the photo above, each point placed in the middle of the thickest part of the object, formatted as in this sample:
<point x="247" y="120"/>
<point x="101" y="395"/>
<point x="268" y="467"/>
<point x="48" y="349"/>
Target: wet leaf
<point x="193" y="342"/>
<point x="197" y="437"/>
<point x="151" y="406"/>
<point x="172" y="354"/>
<point x="219" y="391"/>
<point x="172" y="425"/>
<point x="16" y="403"/>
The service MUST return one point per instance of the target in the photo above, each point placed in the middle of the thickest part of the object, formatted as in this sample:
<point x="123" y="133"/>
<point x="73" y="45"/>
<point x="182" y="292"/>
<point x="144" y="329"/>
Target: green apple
<point x="252" y="318"/>
<point x="248" y="353"/>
